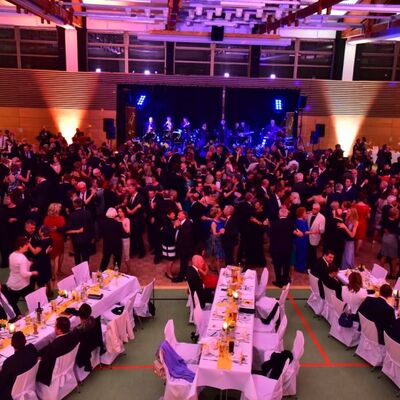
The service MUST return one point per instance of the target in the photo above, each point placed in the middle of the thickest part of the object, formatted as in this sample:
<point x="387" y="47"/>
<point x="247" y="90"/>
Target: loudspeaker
<point x="217" y="33"/>
<point x="314" y="138"/>
<point x="295" y="125"/>
<point x="301" y="104"/>
<point x="109" y="128"/>
<point x="320" y="130"/>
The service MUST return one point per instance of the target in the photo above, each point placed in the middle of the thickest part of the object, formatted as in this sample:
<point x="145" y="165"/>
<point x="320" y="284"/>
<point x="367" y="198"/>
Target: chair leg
<point x="140" y="322"/>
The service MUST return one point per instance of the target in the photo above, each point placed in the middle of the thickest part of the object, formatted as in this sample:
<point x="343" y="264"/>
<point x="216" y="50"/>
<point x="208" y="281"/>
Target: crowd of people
<point x="176" y="204"/>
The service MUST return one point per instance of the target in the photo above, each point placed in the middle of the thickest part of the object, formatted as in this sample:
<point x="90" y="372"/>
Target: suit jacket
<point x="231" y="236"/>
<point x="320" y="271"/>
<point x="20" y="362"/>
<point x="196" y="286"/>
<point x="112" y="233"/>
<point x="318" y="224"/>
<point x="376" y="309"/>
<point x="334" y="284"/>
<point x="137" y="218"/>
<point x="281" y="236"/>
<point x="272" y="208"/>
<point x="184" y="240"/>
<point x="394" y="332"/>
<point x="80" y="219"/>
<point x="60" y="346"/>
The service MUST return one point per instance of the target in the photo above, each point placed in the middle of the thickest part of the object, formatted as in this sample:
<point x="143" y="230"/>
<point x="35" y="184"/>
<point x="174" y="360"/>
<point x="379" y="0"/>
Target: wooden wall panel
<point x="97" y="91"/>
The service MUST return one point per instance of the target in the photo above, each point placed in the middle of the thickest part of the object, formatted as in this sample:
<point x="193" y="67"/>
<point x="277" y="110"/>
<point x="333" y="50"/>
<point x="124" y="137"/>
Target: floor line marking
<point x="309" y="330"/>
<point x="334" y="365"/>
<point x="122" y="367"/>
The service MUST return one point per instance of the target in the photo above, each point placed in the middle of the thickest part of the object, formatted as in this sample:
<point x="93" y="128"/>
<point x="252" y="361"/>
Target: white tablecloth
<point x="367" y="278"/>
<point x="117" y="290"/>
<point x="239" y="377"/>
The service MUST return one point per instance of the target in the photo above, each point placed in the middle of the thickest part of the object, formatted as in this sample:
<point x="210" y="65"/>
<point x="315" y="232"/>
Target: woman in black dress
<point x="40" y="247"/>
<point x="254" y="251"/>
<point x="168" y="233"/>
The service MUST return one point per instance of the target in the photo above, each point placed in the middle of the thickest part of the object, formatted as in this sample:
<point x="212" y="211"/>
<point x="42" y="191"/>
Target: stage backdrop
<point x="199" y="104"/>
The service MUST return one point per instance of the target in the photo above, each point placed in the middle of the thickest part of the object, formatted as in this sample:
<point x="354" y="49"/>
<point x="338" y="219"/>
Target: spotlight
<point x="147" y="72"/>
<point x="278" y="104"/>
<point x="272" y="76"/>
<point x="141" y="99"/>
<point x="226" y="75"/>
<point x="98" y="69"/>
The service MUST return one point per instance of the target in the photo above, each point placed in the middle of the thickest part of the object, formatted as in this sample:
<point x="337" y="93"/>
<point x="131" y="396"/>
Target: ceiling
<point x="248" y="20"/>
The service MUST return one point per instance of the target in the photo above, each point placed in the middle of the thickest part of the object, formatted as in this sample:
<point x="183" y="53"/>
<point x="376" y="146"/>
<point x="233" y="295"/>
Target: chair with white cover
<point x="80" y="372"/>
<point x="379" y="272"/>
<point x="391" y="363"/>
<point x="350" y="337"/>
<point x="36" y="297"/>
<point x="264" y="344"/>
<point x="369" y="348"/>
<point x="63" y="380"/>
<point x="327" y="312"/>
<point x="262" y="285"/>
<point x="178" y="389"/>
<point x="266" y="304"/>
<point x="201" y="317"/>
<point x="314" y="301"/>
<point x="116" y="333"/>
<point x="127" y="304"/>
<point x="267" y="388"/>
<point x="141" y="304"/>
<point x="81" y="273"/>
<point x="24" y="387"/>
<point x="397" y="285"/>
<point x="190" y="305"/>
<point x="290" y="377"/>
<point x="189" y="352"/>
<point x="67" y="283"/>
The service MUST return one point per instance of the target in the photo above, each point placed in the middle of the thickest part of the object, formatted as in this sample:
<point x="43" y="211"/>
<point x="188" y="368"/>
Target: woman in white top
<point x="354" y="294"/>
<point x="126" y="238"/>
<point x="18" y="282"/>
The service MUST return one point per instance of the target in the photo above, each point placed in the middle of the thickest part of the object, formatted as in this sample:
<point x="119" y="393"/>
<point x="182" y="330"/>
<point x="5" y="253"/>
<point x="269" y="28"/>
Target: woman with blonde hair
<point x="54" y="220"/>
<point x="350" y="226"/>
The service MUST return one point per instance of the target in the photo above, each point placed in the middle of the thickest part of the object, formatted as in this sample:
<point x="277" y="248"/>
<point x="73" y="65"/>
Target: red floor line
<point x="310" y="331"/>
<point x="122" y="367"/>
<point x="334" y="365"/>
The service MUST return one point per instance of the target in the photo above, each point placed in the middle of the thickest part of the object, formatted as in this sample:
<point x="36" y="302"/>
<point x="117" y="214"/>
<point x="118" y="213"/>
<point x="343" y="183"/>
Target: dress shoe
<point x="278" y="284"/>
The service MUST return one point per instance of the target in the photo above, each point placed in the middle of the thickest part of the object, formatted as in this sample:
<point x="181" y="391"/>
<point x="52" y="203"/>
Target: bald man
<point x="196" y="284"/>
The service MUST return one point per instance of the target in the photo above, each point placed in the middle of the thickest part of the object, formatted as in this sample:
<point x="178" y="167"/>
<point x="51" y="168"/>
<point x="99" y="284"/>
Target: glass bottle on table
<point x="39" y="311"/>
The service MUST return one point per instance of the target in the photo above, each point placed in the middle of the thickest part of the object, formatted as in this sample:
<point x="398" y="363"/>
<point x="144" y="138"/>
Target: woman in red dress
<point x="364" y="212"/>
<point x="54" y="220"/>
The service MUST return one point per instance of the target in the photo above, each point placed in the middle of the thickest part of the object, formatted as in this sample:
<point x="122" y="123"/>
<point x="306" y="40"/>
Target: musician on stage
<point x="223" y="133"/>
<point x="149" y="129"/>
<point x="272" y="130"/>
<point x="186" y="127"/>
<point x="168" y="127"/>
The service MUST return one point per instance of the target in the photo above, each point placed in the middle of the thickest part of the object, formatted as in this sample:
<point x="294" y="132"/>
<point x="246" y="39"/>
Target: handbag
<point x="345" y="319"/>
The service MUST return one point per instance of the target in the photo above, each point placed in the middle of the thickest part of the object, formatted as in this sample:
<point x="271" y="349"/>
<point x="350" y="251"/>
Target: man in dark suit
<point x="274" y="204"/>
<point x="135" y="208"/>
<point x="378" y="310"/>
<point x="230" y="237"/>
<point x="331" y="281"/>
<point x="184" y="243"/>
<point x="321" y="267"/>
<point x="23" y="359"/>
<point x="196" y="284"/>
<point x="80" y="227"/>
<point x="394" y="331"/>
<point x="196" y="213"/>
<point x="281" y="246"/>
<point x="64" y="342"/>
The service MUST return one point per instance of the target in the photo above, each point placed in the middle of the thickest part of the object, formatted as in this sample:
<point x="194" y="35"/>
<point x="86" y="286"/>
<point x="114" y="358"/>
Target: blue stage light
<point x="278" y="105"/>
<point x="141" y="99"/>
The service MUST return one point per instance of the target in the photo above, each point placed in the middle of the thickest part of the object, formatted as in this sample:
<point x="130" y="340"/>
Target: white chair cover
<point x="350" y="337"/>
<point x="67" y="283"/>
<point x="262" y="285"/>
<point x="391" y="363"/>
<point x="81" y="273"/>
<point x="189" y="352"/>
<point x="38" y="296"/>
<point x="379" y="272"/>
<point x="128" y="305"/>
<point x="397" y="285"/>
<point x="117" y="332"/>
<point x="314" y="300"/>
<point x="201" y="317"/>
<point x="327" y="312"/>
<point x="264" y="344"/>
<point x="290" y="377"/>
<point x="190" y="305"/>
<point x="80" y="372"/>
<point x="178" y="389"/>
<point x="269" y="389"/>
<point x="266" y="304"/>
<point x="369" y="348"/>
<point x="141" y="305"/>
<point x="24" y="387"/>
<point x="63" y="380"/>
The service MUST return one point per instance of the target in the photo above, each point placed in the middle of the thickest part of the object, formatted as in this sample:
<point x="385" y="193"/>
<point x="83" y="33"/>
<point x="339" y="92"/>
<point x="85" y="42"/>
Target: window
<point x="146" y="55"/>
<point x="192" y="59"/>
<point x="278" y="60"/>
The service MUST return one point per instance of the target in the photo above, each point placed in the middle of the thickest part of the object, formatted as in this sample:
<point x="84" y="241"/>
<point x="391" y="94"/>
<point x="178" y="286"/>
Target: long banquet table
<point x="237" y="375"/>
<point x="369" y="281"/>
<point x="115" y="290"/>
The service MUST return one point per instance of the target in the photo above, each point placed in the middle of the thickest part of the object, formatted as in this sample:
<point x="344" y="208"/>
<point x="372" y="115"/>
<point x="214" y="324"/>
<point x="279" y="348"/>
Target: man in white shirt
<point x="316" y="227"/>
